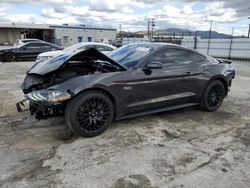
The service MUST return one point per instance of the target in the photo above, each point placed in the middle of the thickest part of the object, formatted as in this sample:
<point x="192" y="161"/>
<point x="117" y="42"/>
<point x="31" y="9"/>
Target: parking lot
<point x="181" y="148"/>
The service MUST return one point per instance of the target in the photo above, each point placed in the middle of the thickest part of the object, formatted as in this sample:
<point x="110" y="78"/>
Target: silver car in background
<point x="104" y="48"/>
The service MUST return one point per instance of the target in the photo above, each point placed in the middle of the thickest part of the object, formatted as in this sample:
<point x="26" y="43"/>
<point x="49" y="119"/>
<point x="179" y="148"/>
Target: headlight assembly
<point x="47" y="95"/>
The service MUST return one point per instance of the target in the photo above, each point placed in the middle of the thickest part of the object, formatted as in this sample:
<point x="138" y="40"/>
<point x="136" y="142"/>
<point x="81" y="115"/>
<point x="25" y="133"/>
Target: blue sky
<point x="131" y="14"/>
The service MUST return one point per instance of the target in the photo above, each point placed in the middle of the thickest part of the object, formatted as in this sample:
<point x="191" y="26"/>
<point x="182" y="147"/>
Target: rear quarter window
<point x="197" y="58"/>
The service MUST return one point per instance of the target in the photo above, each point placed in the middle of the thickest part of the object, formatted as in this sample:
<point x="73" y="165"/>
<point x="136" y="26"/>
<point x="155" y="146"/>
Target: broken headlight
<point x="47" y="95"/>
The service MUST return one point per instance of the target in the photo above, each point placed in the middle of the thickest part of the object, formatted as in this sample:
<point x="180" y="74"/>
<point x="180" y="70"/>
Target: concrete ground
<point x="181" y="148"/>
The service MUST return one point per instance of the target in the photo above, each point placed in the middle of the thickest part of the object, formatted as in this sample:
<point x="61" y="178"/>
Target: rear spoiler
<point x="224" y="61"/>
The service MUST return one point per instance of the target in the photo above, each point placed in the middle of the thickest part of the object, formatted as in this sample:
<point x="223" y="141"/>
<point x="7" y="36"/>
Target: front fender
<point x="78" y="84"/>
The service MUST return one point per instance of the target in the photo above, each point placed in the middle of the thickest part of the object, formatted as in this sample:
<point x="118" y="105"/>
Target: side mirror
<point x="154" y="65"/>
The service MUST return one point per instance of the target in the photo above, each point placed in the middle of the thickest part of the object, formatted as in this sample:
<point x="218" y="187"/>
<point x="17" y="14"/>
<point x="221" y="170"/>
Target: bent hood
<point x="55" y="63"/>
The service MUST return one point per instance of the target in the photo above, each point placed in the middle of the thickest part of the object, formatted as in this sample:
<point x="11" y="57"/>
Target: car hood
<point x="55" y="63"/>
<point x="51" y="53"/>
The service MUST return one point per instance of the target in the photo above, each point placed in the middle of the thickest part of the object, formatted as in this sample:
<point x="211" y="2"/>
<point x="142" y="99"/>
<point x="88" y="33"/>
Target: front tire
<point x="213" y="96"/>
<point x="89" y="114"/>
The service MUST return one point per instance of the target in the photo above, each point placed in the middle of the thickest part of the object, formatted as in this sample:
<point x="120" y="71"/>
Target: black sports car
<point x="91" y="89"/>
<point x="27" y="51"/>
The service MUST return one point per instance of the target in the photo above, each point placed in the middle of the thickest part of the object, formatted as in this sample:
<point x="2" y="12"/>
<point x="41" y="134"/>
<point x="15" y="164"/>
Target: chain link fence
<point x="235" y="44"/>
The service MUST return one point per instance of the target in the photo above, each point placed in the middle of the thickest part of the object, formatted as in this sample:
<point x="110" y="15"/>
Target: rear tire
<point x="89" y="114"/>
<point x="10" y="57"/>
<point x="213" y="96"/>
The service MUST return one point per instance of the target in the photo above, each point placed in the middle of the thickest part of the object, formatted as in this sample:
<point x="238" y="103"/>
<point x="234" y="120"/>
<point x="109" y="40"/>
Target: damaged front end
<point x="44" y="103"/>
<point x="42" y="99"/>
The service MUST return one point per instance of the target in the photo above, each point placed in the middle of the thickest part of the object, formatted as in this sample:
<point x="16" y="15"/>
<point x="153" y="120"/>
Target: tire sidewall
<point x="72" y="109"/>
<point x="205" y="104"/>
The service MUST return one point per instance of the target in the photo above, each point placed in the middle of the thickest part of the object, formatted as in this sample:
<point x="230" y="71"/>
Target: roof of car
<point x="155" y="44"/>
<point x="37" y="42"/>
<point x="96" y="43"/>
<point x="29" y="39"/>
<point x="159" y="45"/>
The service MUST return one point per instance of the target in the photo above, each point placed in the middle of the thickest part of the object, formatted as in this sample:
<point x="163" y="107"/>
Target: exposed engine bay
<point x="69" y="70"/>
<point x="63" y="67"/>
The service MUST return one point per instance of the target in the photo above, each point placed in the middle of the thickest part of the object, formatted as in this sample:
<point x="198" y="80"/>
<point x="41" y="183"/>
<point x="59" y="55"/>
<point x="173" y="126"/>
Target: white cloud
<point x="77" y="10"/>
<point x="3" y="11"/>
<point x="46" y="2"/>
<point x="114" y="12"/>
<point x="187" y="9"/>
<point x="171" y="11"/>
<point x="142" y="5"/>
<point x="109" y="5"/>
<point x="50" y="13"/>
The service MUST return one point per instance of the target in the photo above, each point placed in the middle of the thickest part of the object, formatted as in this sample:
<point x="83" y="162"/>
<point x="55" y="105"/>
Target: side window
<point x="45" y="45"/>
<point x="108" y="48"/>
<point x="89" y="46"/>
<point x="81" y="48"/>
<point x="197" y="58"/>
<point x="32" y="45"/>
<point x="103" y="48"/>
<point x="100" y="48"/>
<point x="173" y="56"/>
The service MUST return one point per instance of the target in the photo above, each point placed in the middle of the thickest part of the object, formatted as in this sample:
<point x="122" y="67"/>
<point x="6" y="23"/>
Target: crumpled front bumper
<point x="41" y="110"/>
<point x="22" y="105"/>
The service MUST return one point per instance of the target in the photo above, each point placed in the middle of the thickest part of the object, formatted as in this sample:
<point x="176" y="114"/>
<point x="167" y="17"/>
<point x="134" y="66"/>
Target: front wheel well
<point x="103" y="91"/>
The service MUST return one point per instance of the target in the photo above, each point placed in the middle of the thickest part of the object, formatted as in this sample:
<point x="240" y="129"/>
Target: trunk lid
<point x="225" y="61"/>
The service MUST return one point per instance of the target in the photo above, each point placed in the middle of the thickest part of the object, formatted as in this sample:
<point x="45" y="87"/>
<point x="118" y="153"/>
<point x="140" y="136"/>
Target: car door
<point x="172" y="85"/>
<point x="28" y="50"/>
<point x="44" y="47"/>
<point x="178" y="76"/>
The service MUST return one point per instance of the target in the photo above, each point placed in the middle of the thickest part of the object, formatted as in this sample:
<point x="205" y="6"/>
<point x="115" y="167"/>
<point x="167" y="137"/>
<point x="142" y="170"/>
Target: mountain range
<point x="186" y="32"/>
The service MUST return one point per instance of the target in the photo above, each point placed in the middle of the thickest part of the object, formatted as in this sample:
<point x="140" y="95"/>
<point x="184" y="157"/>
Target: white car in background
<point x="20" y="42"/>
<point x="104" y="48"/>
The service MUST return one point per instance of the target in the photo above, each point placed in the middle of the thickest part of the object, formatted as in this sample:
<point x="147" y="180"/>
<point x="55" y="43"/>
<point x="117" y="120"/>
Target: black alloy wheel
<point x="93" y="115"/>
<point x="89" y="114"/>
<point x="213" y="96"/>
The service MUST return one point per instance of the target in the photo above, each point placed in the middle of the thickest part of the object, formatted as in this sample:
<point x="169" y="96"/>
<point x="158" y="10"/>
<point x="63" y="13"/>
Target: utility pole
<point x="148" y="26"/>
<point x="209" y="37"/>
<point x="152" y="28"/>
<point x="231" y="42"/>
<point x="195" y="39"/>
<point x="120" y="27"/>
<point x="248" y="35"/>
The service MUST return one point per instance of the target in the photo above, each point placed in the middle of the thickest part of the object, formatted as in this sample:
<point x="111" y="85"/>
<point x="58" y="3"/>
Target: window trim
<point x="146" y="60"/>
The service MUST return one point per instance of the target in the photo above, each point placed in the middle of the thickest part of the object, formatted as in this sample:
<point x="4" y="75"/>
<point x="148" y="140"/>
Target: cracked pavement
<point x="180" y="148"/>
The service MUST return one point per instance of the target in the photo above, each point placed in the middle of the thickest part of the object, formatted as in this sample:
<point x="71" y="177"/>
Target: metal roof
<point x="81" y="27"/>
<point x="24" y="26"/>
<point x="47" y="26"/>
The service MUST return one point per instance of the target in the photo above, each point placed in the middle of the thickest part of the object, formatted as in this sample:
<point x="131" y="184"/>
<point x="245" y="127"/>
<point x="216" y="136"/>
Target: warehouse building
<point x="64" y="35"/>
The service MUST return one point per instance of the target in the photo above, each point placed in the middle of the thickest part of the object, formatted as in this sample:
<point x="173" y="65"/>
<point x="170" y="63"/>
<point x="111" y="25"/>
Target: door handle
<point x="189" y="73"/>
<point x="193" y="73"/>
